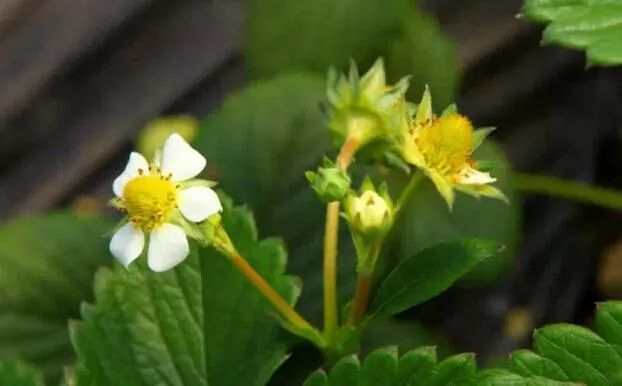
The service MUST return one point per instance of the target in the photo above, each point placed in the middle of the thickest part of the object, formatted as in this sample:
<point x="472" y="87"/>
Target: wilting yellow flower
<point x="442" y="148"/>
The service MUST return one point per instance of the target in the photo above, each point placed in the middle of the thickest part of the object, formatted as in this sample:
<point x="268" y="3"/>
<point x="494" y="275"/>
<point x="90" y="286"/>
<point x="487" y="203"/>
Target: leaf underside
<point x="591" y="25"/>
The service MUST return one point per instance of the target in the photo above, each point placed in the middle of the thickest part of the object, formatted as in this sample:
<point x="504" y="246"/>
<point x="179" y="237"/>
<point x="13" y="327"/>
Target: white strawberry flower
<point x="158" y="198"/>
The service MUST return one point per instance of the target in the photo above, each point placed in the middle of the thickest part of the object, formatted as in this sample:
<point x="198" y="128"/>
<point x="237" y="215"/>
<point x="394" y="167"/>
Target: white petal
<point x="470" y="176"/>
<point x="168" y="246"/>
<point x="198" y="203"/>
<point x="180" y="159"/>
<point x="134" y="164"/>
<point x="127" y="243"/>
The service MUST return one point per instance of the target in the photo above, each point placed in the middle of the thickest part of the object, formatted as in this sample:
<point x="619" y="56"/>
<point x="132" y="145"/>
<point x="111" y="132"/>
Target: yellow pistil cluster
<point x="446" y="144"/>
<point x="149" y="199"/>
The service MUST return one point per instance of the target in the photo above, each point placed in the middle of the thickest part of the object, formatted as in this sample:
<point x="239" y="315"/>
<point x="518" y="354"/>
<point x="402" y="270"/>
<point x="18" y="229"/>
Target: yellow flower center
<point x="149" y="200"/>
<point x="446" y="145"/>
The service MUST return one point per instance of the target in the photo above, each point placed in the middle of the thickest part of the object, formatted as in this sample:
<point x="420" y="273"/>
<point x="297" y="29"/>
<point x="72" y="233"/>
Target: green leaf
<point x="426" y="221"/>
<point x="379" y="368"/>
<point x="317" y="379"/>
<point x="424" y="52"/>
<point x="527" y="363"/>
<point x="345" y="372"/>
<point x="312" y="35"/>
<point x="404" y="334"/>
<point x="429" y="273"/>
<point x="201" y="323"/>
<point x="259" y="144"/>
<point x="455" y="370"/>
<point x="499" y="377"/>
<point x="583" y="355"/>
<point x="47" y="265"/>
<point x="609" y="322"/>
<point x="14" y="373"/>
<point x="591" y="25"/>
<point x="415" y="368"/>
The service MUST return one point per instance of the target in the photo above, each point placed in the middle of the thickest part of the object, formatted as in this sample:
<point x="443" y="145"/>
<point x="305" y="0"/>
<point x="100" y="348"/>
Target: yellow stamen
<point x="149" y="199"/>
<point x="446" y="144"/>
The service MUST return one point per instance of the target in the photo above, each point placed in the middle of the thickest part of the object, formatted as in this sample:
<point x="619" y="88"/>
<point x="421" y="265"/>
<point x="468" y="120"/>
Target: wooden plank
<point x="140" y="80"/>
<point x="52" y="35"/>
<point x="10" y="12"/>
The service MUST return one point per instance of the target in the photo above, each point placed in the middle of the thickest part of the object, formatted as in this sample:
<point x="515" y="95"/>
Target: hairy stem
<point x="280" y="304"/>
<point x="578" y="191"/>
<point x="330" y="246"/>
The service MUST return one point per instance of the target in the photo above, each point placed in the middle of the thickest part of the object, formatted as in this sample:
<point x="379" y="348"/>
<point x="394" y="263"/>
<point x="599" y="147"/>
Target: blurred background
<point x="79" y="79"/>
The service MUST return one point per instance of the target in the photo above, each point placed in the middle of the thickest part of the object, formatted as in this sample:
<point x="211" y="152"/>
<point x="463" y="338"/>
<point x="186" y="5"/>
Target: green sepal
<point x="330" y="183"/>
<point x="483" y="190"/>
<point x="480" y="134"/>
<point x="450" y="110"/>
<point x="424" y="108"/>
<point x="488" y="165"/>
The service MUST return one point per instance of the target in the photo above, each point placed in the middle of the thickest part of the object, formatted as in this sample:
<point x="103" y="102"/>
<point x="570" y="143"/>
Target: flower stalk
<point x="343" y="161"/>
<point x="364" y="280"/>
<point x="293" y="321"/>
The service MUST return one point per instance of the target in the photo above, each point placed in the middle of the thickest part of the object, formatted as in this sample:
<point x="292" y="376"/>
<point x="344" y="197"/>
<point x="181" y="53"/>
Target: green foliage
<point x="427" y="221"/>
<point x="428" y="273"/>
<point x="47" y="265"/>
<point x="313" y="35"/>
<point x="259" y="144"/>
<point x="425" y="53"/>
<point x="263" y="139"/>
<point x="564" y="354"/>
<point x="201" y="323"/>
<point x="383" y="367"/>
<point x="14" y="373"/>
<point x="591" y="25"/>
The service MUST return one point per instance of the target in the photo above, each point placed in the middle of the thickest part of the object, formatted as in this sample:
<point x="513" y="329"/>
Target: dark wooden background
<point x="78" y="79"/>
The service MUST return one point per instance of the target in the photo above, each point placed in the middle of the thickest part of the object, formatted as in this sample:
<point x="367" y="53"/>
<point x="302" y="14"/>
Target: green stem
<point x="298" y="323"/>
<point x="578" y="191"/>
<point x="365" y="279"/>
<point x="407" y="194"/>
<point x="364" y="283"/>
<point x="331" y="238"/>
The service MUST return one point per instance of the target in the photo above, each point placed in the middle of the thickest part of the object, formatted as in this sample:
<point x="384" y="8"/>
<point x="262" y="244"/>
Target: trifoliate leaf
<point x="199" y="324"/>
<point x="47" y="265"/>
<point x="591" y="25"/>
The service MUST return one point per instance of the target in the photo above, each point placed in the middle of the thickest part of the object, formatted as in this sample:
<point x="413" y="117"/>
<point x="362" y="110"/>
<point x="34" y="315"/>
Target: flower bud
<point x="369" y="214"/>
<point x="365" y="109"/>
<point x="330" y="183"/>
